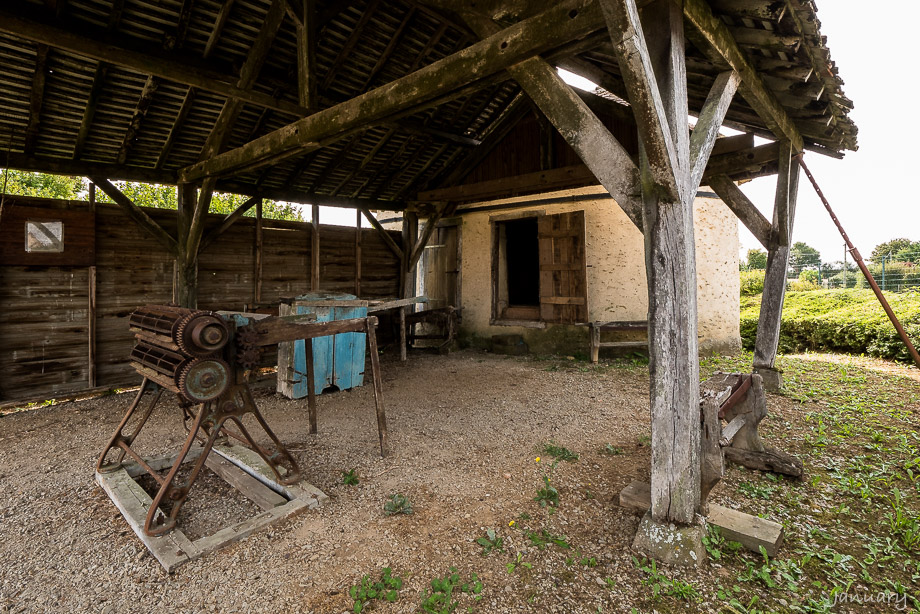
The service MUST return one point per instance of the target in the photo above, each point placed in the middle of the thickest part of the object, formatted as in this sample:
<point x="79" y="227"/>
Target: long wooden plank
<point x="256" y="491"/>
<point x="561" y="24"/>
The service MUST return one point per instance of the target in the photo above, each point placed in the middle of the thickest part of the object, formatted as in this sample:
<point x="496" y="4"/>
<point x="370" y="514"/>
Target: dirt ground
<point x="465" y="434"/>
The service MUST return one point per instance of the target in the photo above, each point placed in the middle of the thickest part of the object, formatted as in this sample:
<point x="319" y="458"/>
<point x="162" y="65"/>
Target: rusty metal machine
<point x="204" y="357"/>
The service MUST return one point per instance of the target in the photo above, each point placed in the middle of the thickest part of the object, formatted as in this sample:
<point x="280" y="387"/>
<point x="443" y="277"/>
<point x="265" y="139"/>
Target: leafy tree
<point x="143" y="194"/>
<point x="24" y="183"/>
<point x="890" y="247"/>
<point x="804" y="256"/>
<point x="756" y="259"/>
<point x="908" y="254"/>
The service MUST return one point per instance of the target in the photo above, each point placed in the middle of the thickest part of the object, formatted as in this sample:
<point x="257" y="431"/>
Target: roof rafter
<point x="715" y="40"/>
<point x="559" y="25"/>
<point x="36" y="97"/>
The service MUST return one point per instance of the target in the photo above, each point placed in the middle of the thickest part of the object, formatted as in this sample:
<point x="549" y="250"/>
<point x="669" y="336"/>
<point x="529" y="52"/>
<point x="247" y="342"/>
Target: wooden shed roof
<point x="134" y="89"/>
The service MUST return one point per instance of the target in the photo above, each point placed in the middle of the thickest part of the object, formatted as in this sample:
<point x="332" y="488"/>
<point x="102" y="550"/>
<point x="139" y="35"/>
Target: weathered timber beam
<point x="743" y="208"/>
<point x="137" y="118"/>
<point x="658" y="138"/>
<point x="62" y="166"/>
<point x="704" y="135"/>
<point x="610" y="163"/>
<point x="89" y="111"/>
<point x="566" y="21"/>
<point x="741" y="161"/>
<point x="774" y="288"/>
<point x="170" y="66"/>
<point x="306" y="54"/>
<point x="230" y="219"/>
<point x="184" y="109"/>
<point x="425" y="236"/>
<point x="65" y="166"/>
<point x="36" y="96"/>
<point x="390" y="242"/>
<point x="542" y="181"/>
<point x="218" y="28"/>
<point x="136" y="213"/>
<point x="720" y="47"/>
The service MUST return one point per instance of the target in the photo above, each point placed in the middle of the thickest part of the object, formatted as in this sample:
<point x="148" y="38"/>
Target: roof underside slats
<point x="100" y="112"/>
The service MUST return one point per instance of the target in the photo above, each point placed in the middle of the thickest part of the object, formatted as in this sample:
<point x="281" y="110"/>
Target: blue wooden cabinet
<point x="337" y="360"/>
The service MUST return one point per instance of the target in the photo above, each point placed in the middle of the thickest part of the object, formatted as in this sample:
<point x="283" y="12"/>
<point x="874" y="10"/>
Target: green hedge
<point x="849" y="321"/>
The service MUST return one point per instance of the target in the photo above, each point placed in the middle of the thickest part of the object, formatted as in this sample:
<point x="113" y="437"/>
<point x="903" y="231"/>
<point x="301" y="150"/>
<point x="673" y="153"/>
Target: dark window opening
<point x="522" y="253"/>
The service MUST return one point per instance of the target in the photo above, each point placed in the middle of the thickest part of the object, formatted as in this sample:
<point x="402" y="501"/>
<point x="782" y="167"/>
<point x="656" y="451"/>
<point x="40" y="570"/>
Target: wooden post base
<point x="772" y="378"/>
<point x="669" y="543"/>
<point x="750" y="531"/>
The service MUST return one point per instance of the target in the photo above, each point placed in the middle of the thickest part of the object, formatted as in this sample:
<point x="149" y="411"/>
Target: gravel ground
<point x="464" y="429"/>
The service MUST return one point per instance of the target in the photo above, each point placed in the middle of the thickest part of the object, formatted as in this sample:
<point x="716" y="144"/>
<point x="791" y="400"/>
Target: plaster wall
<point x="617" y="287"/>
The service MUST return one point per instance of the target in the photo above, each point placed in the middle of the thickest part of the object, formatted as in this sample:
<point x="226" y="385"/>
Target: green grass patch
<point x="850" y="321"/>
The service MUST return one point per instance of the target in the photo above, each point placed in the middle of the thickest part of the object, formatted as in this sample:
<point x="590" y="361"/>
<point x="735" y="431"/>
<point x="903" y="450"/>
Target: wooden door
<point x="563" y="268"/>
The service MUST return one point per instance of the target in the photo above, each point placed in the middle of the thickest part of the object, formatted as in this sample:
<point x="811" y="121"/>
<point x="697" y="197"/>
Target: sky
<point x="871" y="190"/>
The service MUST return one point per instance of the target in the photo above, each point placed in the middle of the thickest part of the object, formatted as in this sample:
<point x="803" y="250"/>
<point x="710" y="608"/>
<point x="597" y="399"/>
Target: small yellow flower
<point x="537" y="460"/>
<point x="511" y="524"/>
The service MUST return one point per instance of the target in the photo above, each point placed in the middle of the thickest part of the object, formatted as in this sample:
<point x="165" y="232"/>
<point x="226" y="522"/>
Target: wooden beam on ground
<point x="566" y="21"/>
<point x="720" y="47"/>
<point x="706" y="131"/>
<point x="137" y="118"/>
<point x="659" y="139"/>
<point x="774" y="287"/>
<point x="390" y="242"/>
<point x="230" y="219"/>
<point x="752" y="532"/>
<point x="172" y="66"/>
<point x="136" y="213"/>
<point x="36" y="97"/>
<point x="743" y="208"/>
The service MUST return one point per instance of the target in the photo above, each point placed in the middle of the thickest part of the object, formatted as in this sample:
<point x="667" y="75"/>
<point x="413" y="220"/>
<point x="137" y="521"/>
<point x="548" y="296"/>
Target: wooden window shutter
<point x="563" y="268"/>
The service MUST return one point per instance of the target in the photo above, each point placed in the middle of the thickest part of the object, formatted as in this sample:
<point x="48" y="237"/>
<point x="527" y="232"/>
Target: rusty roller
<point x="189" y="331"/>
<point x="196" y="379"/>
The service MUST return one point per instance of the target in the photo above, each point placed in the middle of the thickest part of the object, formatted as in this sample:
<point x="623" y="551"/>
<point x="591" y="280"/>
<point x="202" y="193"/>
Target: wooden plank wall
<point x="44" y="310"/>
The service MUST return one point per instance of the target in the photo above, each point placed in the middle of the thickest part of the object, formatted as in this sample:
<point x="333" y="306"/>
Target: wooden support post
<point x="774" y="288"/>
<point x="594" y="334"/>
<point x="311" y="384"/>
<point x="358" y="216"/>
<point x="306" y="55"/>
<point x="138" y="215"/>
<point x="257" y="273"/>
<point x="314" y="251"/>
<point x="91" y="329"/>
<point x="671" y="273"/>
<point x="185" y="293"/>
<point x="378" y="384"/>
<point x="407" y="283"/>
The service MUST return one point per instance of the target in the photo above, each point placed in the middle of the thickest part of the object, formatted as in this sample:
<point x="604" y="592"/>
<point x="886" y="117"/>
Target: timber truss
<point x="382" y="105"/>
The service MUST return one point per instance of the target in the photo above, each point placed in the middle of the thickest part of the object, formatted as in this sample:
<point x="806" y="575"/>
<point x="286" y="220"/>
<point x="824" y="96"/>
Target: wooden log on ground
<point x="769" y="459"/>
